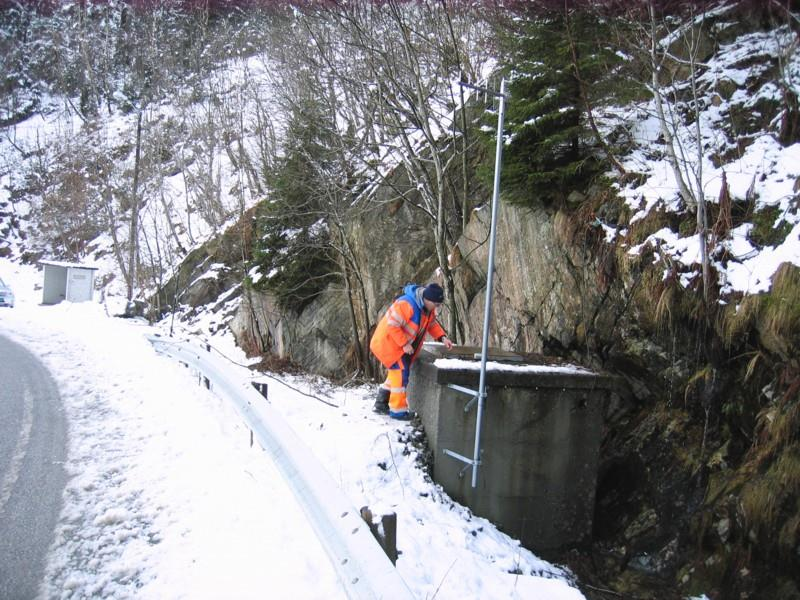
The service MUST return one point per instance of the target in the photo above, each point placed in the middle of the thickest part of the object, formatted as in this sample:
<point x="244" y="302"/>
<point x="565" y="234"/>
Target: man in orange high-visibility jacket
<point x="398" y="339"/>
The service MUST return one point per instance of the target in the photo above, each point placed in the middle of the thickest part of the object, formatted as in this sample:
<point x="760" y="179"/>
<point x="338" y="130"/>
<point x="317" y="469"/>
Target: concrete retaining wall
<point x="540" y="441"/>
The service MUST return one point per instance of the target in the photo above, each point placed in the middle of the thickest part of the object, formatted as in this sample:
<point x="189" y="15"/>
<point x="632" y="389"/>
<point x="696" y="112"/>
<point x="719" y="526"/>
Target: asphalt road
<point x="32" y="477"/>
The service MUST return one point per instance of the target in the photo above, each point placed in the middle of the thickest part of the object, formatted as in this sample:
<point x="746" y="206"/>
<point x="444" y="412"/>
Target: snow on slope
<point x="764" y="171"/>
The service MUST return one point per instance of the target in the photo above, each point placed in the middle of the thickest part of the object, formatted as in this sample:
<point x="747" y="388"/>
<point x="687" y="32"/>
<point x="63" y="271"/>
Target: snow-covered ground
<point x="167" y="499"/>
<point x="766" y="172"/>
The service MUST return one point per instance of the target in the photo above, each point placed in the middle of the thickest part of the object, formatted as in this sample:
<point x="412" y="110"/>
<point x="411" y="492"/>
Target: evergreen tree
<point x="552" y="62"/>
<point x="292" y="246"/>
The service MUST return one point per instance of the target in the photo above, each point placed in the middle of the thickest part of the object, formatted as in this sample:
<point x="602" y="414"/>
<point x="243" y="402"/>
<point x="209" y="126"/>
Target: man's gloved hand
<point x="408" y="349"/>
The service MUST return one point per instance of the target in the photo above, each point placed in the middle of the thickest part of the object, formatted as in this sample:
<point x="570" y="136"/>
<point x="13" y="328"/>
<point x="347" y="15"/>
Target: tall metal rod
<point x="489" y="283"/>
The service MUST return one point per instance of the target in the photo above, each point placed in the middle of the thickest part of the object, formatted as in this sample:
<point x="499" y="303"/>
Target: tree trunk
<point x="666" y="132"/>
<point x="133" y="234"/>
<point x="587" y="104"/>
<point x="350" y="304"/>
<point x="112" y="228"/>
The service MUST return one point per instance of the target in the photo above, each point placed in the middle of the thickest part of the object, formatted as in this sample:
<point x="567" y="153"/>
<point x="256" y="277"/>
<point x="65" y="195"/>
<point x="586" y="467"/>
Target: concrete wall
<point x="540" y="442"/>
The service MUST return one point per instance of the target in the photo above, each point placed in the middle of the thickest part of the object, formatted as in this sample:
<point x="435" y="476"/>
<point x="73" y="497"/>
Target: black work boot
<point x="381" y="405"/>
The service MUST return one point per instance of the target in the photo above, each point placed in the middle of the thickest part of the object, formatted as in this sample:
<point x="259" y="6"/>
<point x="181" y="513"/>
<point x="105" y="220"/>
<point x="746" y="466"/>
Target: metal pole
<point x="489" y="282"/>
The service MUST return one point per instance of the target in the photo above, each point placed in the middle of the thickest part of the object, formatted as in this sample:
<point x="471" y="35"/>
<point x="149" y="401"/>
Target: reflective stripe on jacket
<point x="405" y="322"/>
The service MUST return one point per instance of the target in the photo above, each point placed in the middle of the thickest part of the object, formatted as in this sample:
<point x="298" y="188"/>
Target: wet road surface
<point x="32" y="477"/>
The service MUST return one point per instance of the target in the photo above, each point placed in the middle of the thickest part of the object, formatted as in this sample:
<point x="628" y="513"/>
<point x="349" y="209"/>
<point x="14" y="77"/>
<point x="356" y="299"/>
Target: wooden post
<point x="261" y="387"/>
<point x="385" y="533"/>
<point x="389" y="523"/>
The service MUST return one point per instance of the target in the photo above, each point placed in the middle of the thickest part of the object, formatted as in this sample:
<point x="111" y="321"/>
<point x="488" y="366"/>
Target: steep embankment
<point x="698" y="484"/>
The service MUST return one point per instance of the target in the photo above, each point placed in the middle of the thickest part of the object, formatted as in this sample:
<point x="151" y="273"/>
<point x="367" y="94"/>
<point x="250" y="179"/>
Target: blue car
<point x="6" y="295"/>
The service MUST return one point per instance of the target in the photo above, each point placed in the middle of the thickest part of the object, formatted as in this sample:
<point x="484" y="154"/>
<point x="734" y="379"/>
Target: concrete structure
<point x="539" y="442"/>
<point x="67" y="281"/>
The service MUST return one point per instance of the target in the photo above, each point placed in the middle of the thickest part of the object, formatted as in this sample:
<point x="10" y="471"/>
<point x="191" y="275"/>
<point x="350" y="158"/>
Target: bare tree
<point x="788" y="44"/>
<point x="673" y="46"/>
<point x="133" y="234"/>
<point x="385" y="78"/>
<point x="395" y="67"/>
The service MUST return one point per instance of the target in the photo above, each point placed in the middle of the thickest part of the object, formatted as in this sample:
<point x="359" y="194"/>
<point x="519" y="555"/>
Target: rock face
<point x="392" y="246"/>
<point x="545" y="290"/>
<point x="317" y="338"/>
<point x="546" y="294"/>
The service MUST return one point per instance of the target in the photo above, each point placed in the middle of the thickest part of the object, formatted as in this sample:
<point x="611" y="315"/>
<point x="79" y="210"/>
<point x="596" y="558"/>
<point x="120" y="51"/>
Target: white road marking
<point x="15" y="465"/>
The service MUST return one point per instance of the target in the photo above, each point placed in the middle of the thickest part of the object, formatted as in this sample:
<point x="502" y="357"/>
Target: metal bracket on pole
<point x="462" y="389"/>
<point x="471" y="463"/>
<point x="500" y="94"/>
<point x="478" y="397"/>
<point x="469" y="392"/>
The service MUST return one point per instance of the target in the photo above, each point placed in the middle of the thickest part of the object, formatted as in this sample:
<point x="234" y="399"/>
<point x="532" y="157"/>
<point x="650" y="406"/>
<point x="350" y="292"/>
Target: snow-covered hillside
<point x="130" y="524"/>
<point x="763" y="176"/>
<point x="203" y="185"/>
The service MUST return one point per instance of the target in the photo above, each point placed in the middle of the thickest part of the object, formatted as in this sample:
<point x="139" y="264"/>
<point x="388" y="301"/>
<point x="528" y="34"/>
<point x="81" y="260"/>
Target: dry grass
<point x="700" y="380"/>
<point x="776" y="428"/>
<point x="666" y="302"/>
<point x="644" y="228"/>
<point x="753" y="364"/>
<point x="738" y="319"/>
<point x="781" y="315"/>
<point x="758" y="504"/>
<point x="787" y="469"/>
<point x="275" y="364"/>
<point x="724" y="222"/>
<point x="788" y="537"/>
<point x="775" y="315"/>
<point x="769" y="505"/>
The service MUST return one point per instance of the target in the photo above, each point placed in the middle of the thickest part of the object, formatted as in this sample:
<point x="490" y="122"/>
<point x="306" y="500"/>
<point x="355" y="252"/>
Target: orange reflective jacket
<point x="405" y="322"/>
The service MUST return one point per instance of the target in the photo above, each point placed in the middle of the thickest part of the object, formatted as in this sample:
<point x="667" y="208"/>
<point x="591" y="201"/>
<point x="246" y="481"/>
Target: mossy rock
<point x="768" y="228"/>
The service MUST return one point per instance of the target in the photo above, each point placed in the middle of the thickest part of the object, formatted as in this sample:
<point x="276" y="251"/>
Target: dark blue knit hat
<point x="434" y="293"/>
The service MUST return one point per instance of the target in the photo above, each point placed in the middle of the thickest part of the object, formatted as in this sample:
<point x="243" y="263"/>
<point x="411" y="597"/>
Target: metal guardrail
<point x="363" y="568"/>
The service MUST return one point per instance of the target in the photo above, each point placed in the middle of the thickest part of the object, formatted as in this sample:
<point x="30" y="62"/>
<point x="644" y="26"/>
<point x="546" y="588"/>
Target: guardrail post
<point x="385" y="534"/>
<point x="262" y="388"/>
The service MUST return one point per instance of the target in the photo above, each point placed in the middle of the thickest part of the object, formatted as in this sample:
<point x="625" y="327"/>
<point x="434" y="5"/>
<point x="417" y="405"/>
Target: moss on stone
<point x="768" y="227"/>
